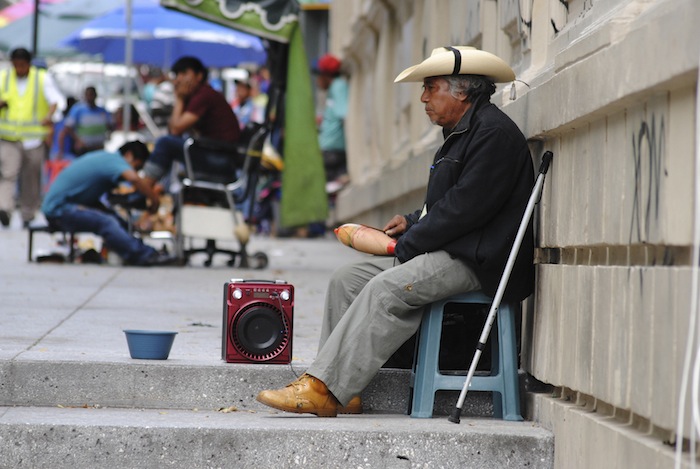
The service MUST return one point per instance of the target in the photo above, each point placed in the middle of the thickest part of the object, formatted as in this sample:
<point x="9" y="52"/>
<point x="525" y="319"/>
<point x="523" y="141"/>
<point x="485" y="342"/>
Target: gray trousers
<point x="372" y="307"/>
<point x="25" y="165"/>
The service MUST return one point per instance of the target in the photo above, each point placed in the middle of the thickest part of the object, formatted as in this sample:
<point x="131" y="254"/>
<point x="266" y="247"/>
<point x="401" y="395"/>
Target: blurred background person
<point x="262" y="77"/>
<point x="152" y="79"/>
<point x="59" y="157"/>
<point x="244" y="106"/>
<point x="160" y="96"/>
<point x="28" y="99"/>
<point x="331" y="132"/>
<point x="331" y="135"/>
<point x="66" y="149"/>
<point x="87" y="124"/>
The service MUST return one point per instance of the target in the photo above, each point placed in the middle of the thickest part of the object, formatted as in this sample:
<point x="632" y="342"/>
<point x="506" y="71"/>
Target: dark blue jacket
<point x="479" y="186"/>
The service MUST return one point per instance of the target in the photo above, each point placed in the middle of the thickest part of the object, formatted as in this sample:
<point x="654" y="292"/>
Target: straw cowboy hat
<point x="459" y="60"/>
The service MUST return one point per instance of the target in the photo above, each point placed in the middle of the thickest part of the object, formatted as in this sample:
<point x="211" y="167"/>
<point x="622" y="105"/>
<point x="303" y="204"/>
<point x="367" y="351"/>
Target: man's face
<point x="323" y="81"/>
<point x="21" y="67"/>
<point x="133" y="162"/>
<point x="90" y="96"/>
<point x="442" y="108"/>
<point x="187" y="81"/>
<point x="242" y="91"/>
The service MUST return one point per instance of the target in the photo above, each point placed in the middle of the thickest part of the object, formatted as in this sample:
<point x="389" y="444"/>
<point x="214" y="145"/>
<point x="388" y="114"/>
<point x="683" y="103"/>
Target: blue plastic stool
<point x="503" y="381"/>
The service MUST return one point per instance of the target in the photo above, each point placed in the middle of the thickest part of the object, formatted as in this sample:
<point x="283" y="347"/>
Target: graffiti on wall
<point x="564" y="11"/>
<point x="559" y="15"/>
<point x="648" y="159"/>
<point x="525" y="12"/>
<point x="561" y="12"/>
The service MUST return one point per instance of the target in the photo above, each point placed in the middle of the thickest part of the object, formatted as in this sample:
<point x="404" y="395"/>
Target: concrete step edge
<point x="162" y="385"/>
<point x="101" y="437"/>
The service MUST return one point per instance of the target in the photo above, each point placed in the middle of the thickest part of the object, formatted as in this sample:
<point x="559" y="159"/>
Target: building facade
<point x="611" y="88"/>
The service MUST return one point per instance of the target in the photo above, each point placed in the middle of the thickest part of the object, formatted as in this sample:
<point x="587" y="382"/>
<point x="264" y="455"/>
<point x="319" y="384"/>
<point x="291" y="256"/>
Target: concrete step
<point x="32" y="437"/>
<point x="155" y="384"/>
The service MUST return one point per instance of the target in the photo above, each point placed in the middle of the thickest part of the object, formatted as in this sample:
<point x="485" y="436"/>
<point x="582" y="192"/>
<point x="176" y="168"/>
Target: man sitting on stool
<point x="478" y="188"/>
<point x="73" y="201"/>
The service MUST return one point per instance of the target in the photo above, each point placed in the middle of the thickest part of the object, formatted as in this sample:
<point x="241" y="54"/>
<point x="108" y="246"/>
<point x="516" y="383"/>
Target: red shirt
<point x="216" y="118"/>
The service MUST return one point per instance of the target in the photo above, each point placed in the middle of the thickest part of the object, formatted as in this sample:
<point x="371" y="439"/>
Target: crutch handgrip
<point x="546" y="159"/>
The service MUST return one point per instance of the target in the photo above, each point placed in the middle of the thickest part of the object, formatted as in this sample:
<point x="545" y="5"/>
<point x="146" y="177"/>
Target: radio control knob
<point x="284" y="294"/>
<point x="237" y="294"/>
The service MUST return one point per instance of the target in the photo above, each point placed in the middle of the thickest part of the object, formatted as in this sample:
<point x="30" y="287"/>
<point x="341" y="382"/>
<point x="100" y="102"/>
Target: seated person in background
<point x="73" y="201"/>
<point x="87" y="124"/>
<point x="199" y="111"/>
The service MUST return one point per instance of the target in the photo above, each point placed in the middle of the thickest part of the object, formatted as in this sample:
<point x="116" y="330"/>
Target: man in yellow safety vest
<point x="28" y="99"/>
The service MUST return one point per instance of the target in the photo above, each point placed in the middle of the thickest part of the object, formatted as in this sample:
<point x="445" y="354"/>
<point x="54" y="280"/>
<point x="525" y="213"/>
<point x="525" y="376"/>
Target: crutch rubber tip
<point x="454" y="416"/>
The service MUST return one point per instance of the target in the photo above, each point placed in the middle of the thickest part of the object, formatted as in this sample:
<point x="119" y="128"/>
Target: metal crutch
<point x="534" y="197"/>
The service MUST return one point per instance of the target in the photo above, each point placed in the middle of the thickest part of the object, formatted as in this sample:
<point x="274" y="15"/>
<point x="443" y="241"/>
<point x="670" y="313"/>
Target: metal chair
<point x="218" y="180"/>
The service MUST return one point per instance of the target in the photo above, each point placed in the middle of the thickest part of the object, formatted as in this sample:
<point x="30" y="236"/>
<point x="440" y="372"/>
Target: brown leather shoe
<point x="353" y="407"/>
<point x="306" y="395"/>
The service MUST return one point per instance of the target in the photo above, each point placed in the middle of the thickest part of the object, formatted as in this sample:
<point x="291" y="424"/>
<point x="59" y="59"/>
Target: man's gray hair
<point x="472" y="86"/>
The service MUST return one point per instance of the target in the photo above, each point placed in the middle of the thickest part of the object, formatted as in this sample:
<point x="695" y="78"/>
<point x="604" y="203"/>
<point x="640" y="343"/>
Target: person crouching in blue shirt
<point x="73" y="201"/>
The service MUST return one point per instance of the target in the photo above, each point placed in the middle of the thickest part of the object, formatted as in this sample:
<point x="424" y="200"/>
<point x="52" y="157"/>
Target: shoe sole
<point x="349" y="410"/>
<point x="319" y="413"/>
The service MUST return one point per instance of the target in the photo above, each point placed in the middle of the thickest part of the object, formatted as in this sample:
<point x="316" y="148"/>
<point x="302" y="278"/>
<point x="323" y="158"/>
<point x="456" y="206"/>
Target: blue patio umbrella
<point x="160" y="36"/>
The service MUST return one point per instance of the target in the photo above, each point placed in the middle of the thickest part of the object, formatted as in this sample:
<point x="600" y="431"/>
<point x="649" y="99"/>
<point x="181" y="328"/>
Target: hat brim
<point x="474" y="62"/>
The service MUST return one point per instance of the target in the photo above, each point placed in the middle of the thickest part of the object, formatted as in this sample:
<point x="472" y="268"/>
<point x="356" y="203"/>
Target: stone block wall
<point x="611" y="88"/>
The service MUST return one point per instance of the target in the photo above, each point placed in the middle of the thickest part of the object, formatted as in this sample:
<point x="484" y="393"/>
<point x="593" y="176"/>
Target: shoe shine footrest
<point x="208" y="222"/>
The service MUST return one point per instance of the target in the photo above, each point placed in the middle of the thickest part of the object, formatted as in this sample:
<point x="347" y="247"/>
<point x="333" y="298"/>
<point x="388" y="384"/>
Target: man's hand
<point x="184" y="87"/>
<point x="143" y="187"/>
<point x="396" y="226"/>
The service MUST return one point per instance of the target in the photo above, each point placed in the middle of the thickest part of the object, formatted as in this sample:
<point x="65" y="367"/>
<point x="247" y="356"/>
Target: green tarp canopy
<point x="304" y="197"/>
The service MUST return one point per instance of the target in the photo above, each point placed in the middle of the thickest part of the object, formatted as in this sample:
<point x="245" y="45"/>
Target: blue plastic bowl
<point x="150" y="345"/>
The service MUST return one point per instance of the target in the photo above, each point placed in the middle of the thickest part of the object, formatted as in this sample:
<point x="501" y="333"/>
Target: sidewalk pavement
<point x="70" y="312"/>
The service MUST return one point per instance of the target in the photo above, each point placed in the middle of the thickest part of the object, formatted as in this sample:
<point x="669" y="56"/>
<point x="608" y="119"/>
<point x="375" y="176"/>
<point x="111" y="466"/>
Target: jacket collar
<point x="466" y="121"/>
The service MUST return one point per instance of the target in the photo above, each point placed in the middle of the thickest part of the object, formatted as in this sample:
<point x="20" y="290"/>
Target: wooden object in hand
<point x="365" y="238"/>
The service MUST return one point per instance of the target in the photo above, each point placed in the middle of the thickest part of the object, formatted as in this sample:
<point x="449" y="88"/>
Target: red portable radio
<point x="257" y="321"/>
